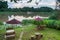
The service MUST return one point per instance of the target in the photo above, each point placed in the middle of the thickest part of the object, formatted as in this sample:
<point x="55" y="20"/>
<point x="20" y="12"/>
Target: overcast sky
<point x="23" y="3"/>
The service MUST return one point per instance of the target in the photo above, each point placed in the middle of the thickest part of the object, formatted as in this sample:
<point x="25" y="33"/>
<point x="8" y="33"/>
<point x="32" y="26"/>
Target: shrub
<point x="38" y="22"/>
<point x="53" y="17"/>
<point x="1" y="23"/>
<point x="50" y="23"/>
<point x="57" y="23"/>
<point x="26" y="22"/>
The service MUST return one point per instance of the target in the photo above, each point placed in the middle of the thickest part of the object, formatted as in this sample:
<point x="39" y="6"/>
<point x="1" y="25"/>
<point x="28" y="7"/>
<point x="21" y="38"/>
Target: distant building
<point x="58" y="4"/>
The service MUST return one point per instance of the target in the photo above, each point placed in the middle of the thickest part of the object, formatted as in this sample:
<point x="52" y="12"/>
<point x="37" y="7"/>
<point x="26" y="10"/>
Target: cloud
<point x="49" y="3"/>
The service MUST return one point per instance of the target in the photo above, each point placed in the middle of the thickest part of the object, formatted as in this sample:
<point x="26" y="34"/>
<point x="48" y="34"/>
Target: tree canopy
<point x="3" y="4"/>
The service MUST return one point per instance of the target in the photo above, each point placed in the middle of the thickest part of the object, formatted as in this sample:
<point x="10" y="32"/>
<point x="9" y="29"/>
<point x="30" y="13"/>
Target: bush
<point x="1" y="23"/>
<point x="50" y="23"/>
<point x="57" y="23"/>
<point x="26" y="22"/>
<point x="38" y="22"/>
<point x="53" y="17"/>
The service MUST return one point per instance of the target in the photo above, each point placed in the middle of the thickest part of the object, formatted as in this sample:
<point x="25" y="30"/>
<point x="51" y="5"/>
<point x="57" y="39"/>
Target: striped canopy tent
<point x="13" y="21"/>
<point x="38" y="19"/>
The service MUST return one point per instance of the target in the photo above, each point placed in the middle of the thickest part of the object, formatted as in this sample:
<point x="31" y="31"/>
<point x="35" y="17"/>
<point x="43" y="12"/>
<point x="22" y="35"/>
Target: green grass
<point x="29" y="30"/>
<point x="18" y="31"/>
<point x="48" y="34"/>
<point x="2" y="32"/>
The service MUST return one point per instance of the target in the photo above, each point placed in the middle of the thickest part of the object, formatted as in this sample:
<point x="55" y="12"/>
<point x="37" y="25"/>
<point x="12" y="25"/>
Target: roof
<point x="13" y="21"/>
<point x="38" y="19"/>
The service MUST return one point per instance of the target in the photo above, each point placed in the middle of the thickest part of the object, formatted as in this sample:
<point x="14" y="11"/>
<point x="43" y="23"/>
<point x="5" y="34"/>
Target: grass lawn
<point x="18" y="31"/>
<point x="2" y="32"/>
<point x="48" y="33"/>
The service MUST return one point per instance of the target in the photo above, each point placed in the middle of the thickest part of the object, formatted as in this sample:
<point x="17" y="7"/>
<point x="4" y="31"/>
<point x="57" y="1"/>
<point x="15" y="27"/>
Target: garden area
<point x="30" y="23"/>
<point x="50" y="29"/>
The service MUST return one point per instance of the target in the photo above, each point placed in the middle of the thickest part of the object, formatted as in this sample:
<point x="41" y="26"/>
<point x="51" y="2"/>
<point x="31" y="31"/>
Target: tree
<point x="19" y="0"/>
<point x="57" y="9"/>
<point x="1" y="23"/>
<point x="39" y="23"/>
<point x="14" y="1"/>
<point x="3" y="5"/>
<point x="29" y="1"/>
<point x="58" y="14"/>
<point x="46" y="9"/>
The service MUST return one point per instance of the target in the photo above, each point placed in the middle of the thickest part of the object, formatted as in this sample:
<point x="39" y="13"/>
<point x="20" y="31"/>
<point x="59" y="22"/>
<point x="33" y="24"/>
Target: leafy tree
<point x="1" y="23"/>
<point x="46" y="9"/>
<point x="3" y="5"/>
<point x="56" y="16"/>
<point x="29" y="1"/>
<point x="14" y="1"/>
<point x="18" y="0"/>
<point x="40" y="24"/>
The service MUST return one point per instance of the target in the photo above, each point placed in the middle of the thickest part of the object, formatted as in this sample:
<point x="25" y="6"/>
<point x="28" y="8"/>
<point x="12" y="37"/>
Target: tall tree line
<point x="3" y="5"/>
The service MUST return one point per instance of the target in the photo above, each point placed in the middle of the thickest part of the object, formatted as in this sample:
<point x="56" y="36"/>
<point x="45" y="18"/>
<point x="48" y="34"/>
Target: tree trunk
<point x="40" y="27"/>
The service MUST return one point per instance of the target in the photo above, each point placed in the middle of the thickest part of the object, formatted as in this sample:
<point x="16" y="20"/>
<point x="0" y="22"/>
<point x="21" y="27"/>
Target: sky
<point x="23" y="3"/>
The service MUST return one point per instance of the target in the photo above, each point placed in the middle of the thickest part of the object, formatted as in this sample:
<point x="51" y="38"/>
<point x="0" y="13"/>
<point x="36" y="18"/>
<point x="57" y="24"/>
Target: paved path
<point x="20" y="38"/>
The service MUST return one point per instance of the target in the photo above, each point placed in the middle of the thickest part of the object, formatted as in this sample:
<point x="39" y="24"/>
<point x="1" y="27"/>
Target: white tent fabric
<point x="20" y="18"/>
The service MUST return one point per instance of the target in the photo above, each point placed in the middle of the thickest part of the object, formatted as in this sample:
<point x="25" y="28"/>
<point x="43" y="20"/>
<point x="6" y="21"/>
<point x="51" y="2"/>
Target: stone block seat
<point x="10" y="33"/>
<point x="37" y="36"/>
